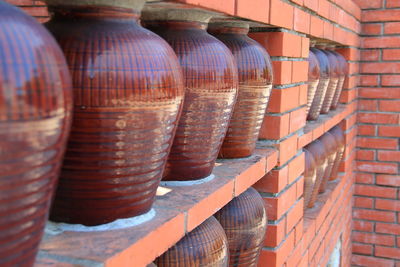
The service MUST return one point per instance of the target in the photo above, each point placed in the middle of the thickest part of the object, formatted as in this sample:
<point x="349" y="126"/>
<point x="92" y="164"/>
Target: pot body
<point x="330" y="146"/>
<point x="205" y="246"/>
<point x="255" y="84"/>
<point x="128" y="93"/>
<point x="338" y="134"/>
<point x="244" y="220"/>
<point x="323" y="83"/>
<point x="334" y="75"/>
<point x="211" y="85"/>
<point x="317" y="150"/>
<point x="313" y="79"/>
<point x="310" y="178"/>
<point x="35" y="113"/>
<point x="344" y="71"/>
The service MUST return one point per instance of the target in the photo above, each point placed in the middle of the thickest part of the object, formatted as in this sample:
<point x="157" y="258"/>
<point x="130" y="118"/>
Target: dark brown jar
<point x="344" y="71"/>
<point x="35" y="113"/>
<point x="331" y="148"/>
<point x="320" y="93"/>
<point x="205" y="246"/>
<point x="211" y="85"/>
<point x="333" y="81"/>
<point x="313" y="78"/>
<point x="317" y="150"/>
<point x="128" y="92"/>
<point x="244" y="220"/>
<point x="255" y="84"/>
<point x="310" y="178"/>
<point x="338" y="134"/>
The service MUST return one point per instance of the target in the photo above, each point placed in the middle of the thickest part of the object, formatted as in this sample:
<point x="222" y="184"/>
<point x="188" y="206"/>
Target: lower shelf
<point x="178" y="209"/>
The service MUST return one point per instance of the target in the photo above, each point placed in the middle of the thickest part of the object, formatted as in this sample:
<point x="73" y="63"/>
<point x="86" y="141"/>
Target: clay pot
<point x="344" y="71"/>
<point x="317" y="150"/>
<point x="128" y="92"/>
<point x="313" y="79"/>
<point x="211" y="85"/>
<point x="244" y="220"/>
<point x="338" y="134"/>
<point x="255" y="84"/>
<point x="310" y="178"/>
<point x="333" y="81"/>
<point x="320" y="93"/>
<point x="35" y="113"/>
<point x="331" y="148"/>
<point x="206" y="245"/>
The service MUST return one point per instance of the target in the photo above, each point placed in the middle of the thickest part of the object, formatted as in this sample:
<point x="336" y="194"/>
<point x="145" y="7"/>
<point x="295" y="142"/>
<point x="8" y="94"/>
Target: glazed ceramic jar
<point x="211" y="85"/>
<point x="255" y="84"/>
<point x="128" y="92"/>
<point x="205" y="246"/>
<point x="330" y="145"/>
<point x="320" y="92"/>
<point x="35" y="112"/>
<point x="338" y="134"/>
<point x="344" y="71"/>
<point x="333" y="81"/>
<point x="244" y="220"/>
<point x="310" y="178"/>
<point x="317" y="150"/>
<point x="313" y="79"/>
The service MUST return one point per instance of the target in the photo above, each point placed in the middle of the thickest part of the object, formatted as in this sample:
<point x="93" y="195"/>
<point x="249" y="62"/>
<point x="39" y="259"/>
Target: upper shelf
<point x="178" y="209"/>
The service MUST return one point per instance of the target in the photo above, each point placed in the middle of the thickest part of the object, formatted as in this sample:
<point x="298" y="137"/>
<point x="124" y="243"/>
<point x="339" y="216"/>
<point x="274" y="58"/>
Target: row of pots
<point x="322" y="162"/>
<point x="326" y="75"/>
<point x="142" y="108"/>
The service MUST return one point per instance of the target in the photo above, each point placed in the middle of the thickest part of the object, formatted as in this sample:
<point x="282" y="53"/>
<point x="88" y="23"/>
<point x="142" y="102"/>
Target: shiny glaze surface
<point x="128" y="92"/>
<point x="322" y="87"/>
<point x="317" y="149"/>
<point x="313" y="79"/>
<point x="331" y="148"/>
<point x="338" y="134"/>
<point x="211" y="86"/>
<point x="344" y="71"/>
<point x="244" y="220"/>
<point x="205" y="246"/>
<point x="333" y="81"/>
<point x="255" y="84"/>
<point x="35" y="112"/>
<point x="310" y="178"/>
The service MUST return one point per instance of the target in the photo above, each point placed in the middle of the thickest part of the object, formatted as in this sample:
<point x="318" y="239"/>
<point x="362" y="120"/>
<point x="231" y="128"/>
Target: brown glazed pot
<point x="310" y="178"/>
<point x="205" y="246"/>
<point x="313" y="79"/>
<point x="128" y="92"/>
<point x="317" y="150"/>
<point x="338" y="134"/>
<point x="331" y="148"/>
<point x="319" y="97"/>
<point x="255" y="84"/>
<point x="35" y="113"/>
<point x="244" y="220"/>
<point x="344" y="71"/>
<point x="211" y="86"/>
<point x="333" y="81"/>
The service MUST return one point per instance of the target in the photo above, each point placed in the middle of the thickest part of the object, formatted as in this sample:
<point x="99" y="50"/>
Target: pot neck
<point x="228" y="30"/>
<point x="176" y="25"/>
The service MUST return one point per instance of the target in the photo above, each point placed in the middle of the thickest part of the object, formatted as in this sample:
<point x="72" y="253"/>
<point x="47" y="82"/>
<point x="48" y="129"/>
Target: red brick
<point x="371" y="261"/>
<point x="388" y="180"/>
<point x="275" y="233"/>
<point x="261" y="13"/>
<point x="392" y="3"/>
<point x="392" y="28"/>
<point x="277" y="206"/>
<point x="391" y="54"/>
<point x="366" y="130"/>
<point x="384" y="118"/>
<point x="363" y="226"/>
<point x="274" y="181"/>
<point x="323" y="8"/>
<point x="282" y="72"/>
<point x="390" y="80"/>
<point x="365" y="178"/>
<point x="374" y="215"/>
<point x="389" y="131"/>
<point x="386" y="228"/>
<point x="286" y="150"/>
<point x="368" y="4"/>
<point x="311" y="4"/>
<point x="369" y="80"/>
<point x="364" y="249"/>
<point x="299" y="71"/>
<point x="305" y="46"/>
<point x="277" y="9"/>
<point x="380" y="67"/>
<point x="387" y="252"/>
<point x="393" y="156"/>
<point x="388" y="93"/>
<point x="386" y="204"/>
<point x="377" y="143"/>
<point x="283" y="100"/>
<point x="316" y="25"/>
<point x="363" y="202"/>
<point x="380" y="15"/>
<point x="371" y="28"/>
<point x="377" y="167"/>
<point x="301" y="21"/>
<point x="372" y="238"/>
<point x="365" y="155"/>
<point x="274" y="127"/>
<point x="297" y="119"/>
<point x="294" y="215"/>
<point x="389" y="105"/>
<point x="370" y="55"/>
<point x="375" y="191"/>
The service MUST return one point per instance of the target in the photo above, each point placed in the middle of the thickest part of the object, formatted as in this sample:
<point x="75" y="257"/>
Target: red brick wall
<point x="376" y="236"/>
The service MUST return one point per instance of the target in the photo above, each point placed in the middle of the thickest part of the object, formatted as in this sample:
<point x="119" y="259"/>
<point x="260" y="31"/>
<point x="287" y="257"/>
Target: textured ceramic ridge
<point x="134" y="4"/>
<point x="310" y="178"/>
<point x="162" y="13"/>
